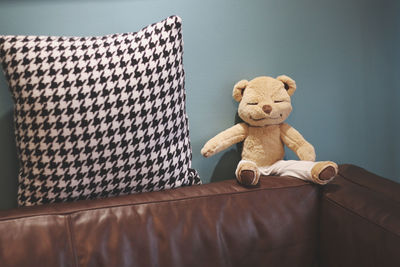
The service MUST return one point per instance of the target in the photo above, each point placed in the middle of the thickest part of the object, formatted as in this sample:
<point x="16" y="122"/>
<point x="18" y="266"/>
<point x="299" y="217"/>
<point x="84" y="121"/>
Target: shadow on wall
<point x="226" y="166"/>
<point x="8" y="162"/>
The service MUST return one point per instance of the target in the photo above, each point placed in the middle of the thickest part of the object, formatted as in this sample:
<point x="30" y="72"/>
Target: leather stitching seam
<point x="71" y="239"/>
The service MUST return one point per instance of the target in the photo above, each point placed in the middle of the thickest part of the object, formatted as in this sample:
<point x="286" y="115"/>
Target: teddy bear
<point x="264" y="105"/>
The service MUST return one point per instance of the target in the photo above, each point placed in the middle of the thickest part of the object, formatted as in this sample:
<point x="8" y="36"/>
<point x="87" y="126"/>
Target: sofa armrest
<point x="359" y="220"/>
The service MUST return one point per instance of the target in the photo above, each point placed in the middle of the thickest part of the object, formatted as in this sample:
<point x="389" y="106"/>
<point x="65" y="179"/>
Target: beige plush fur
<point x="264" y="105"/>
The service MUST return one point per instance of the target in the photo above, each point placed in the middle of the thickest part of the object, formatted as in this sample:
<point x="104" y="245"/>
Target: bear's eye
<point x="252" y="104"/>
<point x="278" y="101"/>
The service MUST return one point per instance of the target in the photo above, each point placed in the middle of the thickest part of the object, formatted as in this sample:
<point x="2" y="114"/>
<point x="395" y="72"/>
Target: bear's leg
<point x="247" y="173"/>
<point x="318" y="172"/>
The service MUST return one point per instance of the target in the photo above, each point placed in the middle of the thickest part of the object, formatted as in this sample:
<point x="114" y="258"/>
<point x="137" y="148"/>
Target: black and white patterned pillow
<point x="99" y="116"/>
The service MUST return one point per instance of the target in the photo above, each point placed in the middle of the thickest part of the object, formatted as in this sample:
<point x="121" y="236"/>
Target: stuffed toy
<point x="264" y="105"/>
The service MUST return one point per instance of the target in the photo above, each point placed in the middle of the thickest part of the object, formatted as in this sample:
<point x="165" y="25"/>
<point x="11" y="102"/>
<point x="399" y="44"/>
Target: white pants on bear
<point x="296" y="168"/>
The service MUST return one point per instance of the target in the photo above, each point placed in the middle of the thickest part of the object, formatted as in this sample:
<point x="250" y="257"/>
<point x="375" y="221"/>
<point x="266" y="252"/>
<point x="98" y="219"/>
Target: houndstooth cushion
<point x="99" y="116"/>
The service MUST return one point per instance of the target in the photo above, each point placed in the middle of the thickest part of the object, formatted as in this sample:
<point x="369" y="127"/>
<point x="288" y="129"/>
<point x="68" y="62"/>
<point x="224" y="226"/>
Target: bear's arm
<point x="296" y="142"/>
<point x="225" y="139"/>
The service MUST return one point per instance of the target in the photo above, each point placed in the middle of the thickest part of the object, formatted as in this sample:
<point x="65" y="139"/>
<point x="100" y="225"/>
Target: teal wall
<point x="343" y="55"/>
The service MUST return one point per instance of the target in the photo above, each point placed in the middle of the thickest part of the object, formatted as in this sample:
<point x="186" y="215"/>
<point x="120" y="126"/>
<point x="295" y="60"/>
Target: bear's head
<point x="264" y="100"/>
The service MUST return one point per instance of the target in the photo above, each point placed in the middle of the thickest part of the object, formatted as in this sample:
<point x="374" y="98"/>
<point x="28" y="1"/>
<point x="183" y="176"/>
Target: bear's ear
<point x="238" y="90"/>
<point x="288" y="83"/>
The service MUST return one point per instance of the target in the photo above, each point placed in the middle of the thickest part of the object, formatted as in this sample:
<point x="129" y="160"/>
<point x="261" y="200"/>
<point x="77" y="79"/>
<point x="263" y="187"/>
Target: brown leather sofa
<point x="354" y="221"/>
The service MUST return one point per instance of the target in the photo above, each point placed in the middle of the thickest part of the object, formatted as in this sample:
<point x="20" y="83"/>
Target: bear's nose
<point x="267" y="109"/>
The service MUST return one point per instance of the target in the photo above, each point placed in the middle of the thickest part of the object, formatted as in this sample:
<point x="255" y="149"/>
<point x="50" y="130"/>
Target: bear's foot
<point x="247" y="177"/>
<point x="248" y="174"/>
<point x="327" y="173"/>
<point x="323" y="172"/>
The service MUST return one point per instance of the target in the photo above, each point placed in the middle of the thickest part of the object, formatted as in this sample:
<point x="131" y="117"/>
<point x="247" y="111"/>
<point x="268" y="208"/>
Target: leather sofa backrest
<point x="218" y="224"/>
